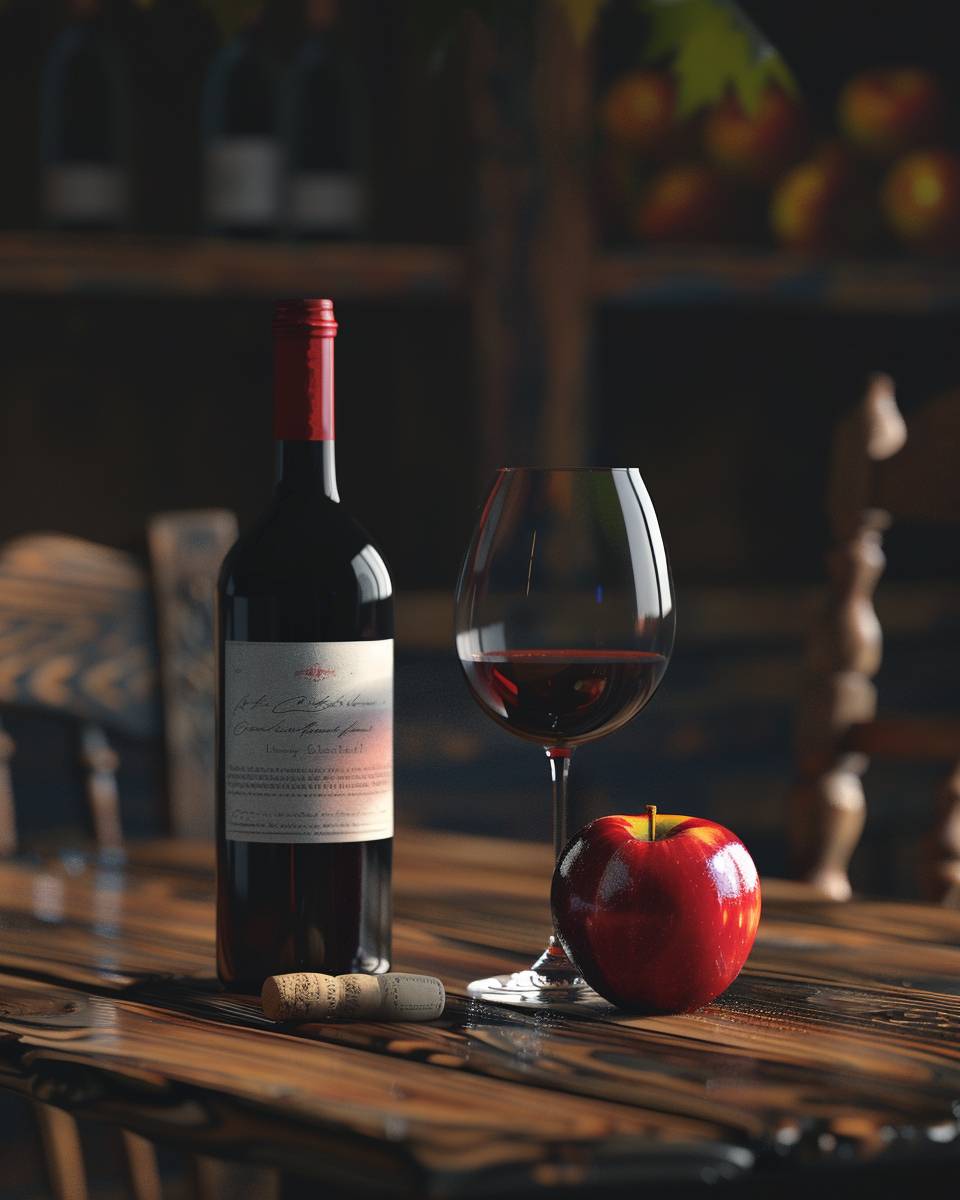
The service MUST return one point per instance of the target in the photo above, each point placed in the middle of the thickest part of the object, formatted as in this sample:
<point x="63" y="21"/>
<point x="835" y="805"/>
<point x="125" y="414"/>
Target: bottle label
<point x="308" y="733"/>
<point x="326" y="201"/>
<point x="80" y="191"/>
<point x="242" y="177"/>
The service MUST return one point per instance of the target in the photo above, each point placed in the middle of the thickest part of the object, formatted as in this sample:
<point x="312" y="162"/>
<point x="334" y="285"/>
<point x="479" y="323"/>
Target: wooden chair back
<point x="878" y="473"/>
<point x="88" y="632"/>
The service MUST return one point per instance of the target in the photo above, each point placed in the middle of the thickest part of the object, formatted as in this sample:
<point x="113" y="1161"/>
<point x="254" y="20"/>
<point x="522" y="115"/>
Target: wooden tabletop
<point x="839" y="1043"/>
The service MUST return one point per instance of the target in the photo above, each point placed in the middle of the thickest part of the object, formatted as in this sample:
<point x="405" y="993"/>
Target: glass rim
<point x="563" y="470"/>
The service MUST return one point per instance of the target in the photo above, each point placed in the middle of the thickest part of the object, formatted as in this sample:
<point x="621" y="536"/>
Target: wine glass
<point x="564" y="627"/>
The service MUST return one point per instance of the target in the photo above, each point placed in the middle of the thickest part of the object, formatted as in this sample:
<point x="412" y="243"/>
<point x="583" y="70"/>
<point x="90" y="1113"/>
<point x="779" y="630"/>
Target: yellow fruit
<point x="921" y="199"/>
<point x="818" y="205"/>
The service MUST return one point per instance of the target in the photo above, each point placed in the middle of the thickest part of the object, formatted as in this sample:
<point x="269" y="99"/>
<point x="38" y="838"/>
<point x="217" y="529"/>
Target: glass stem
<point x="553" y="966"/>
<point x="559" y="758"/>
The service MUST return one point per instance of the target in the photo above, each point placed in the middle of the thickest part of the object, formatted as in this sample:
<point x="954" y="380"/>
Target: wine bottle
<point x="305" y="703"/>
<point x="82" y="125"/>
<point x="241" y="144"/>
<point x="324" y="186"/>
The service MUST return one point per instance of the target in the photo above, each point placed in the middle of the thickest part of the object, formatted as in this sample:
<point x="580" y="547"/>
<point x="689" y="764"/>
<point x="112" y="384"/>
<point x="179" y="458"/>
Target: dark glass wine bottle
<point x="305" y="703"/>
<point x="83" y="142"/>
<point x="241" y="143"/>
<point x="325" y="194"/>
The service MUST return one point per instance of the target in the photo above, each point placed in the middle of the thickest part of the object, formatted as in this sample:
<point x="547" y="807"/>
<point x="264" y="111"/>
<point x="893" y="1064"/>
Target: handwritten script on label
<point x="315" y="765"/>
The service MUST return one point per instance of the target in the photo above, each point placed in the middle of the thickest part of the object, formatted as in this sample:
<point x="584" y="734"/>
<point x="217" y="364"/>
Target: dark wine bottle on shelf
<point x="305" y="703"/>
<point x="324" y="188"/>
<point x="241" y="142"/>
<point x="83" y="137"/>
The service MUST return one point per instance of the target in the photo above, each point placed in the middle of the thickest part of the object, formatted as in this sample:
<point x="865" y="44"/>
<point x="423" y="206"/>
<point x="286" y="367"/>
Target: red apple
<point x="887" y="112"/>
<point x="639" y="110"/>
<point x="686" y="202"/>
<point x="756" y="146"/>
<point x="921" y="199"/>
<point x="658" y="912"/>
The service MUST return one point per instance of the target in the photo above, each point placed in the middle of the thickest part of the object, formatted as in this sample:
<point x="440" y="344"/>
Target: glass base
<point x="532" y="990"/>
<point x="552" y="982"/>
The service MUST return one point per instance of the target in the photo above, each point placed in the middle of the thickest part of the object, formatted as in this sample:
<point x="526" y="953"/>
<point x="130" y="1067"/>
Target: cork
<point x="308" y="996"/>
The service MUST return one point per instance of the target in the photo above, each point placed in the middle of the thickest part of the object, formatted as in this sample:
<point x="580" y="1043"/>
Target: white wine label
<point x="242" y="180"/>
<point x="308" y="733"/>
<point x="79" y="191"/>
<point x="326" y="201"/>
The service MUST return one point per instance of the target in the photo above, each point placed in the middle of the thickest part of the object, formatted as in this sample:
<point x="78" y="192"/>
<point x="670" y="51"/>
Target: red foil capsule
<point x="303" y="371"/>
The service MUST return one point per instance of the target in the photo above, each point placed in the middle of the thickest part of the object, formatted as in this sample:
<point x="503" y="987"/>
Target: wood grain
<point x="76" y="633"/>
<point x="840" y="1040"/>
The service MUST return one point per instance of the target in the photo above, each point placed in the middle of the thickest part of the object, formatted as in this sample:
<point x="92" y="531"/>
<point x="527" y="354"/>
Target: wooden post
<point x="101" y="762"/>
<point x="143" y="1173"/>
<point x="562" y="251"/>
<point x="941" y="865"/>
<point x="186" y="549"/>
<point x="827" y="806"/>
<point x="63" y="1151"/>
<point x="533" y="242"/>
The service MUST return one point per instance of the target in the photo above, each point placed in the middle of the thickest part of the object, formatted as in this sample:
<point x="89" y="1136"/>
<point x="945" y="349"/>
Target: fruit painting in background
<point x="685" y="153"/>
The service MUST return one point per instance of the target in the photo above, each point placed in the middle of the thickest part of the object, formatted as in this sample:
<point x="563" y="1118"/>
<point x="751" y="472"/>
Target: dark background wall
<point x="116" y="405"/>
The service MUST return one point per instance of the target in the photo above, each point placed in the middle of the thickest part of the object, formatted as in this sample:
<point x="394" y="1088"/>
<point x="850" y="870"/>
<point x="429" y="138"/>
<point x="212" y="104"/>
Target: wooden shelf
<point x="61" y="264"/>
<point x="701" y="276"/>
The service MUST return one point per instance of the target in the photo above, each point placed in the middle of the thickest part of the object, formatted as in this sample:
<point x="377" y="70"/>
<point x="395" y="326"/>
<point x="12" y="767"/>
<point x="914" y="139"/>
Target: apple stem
<point x="652" y="820"/>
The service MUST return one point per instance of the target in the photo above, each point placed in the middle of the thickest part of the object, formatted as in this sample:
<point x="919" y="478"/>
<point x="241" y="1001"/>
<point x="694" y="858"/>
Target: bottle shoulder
<point x="313" y="543"/>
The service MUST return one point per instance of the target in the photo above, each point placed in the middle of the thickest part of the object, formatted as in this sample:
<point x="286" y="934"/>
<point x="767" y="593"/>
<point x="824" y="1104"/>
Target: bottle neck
<point x="308" y="468"/>
<point x="303" y="412"/>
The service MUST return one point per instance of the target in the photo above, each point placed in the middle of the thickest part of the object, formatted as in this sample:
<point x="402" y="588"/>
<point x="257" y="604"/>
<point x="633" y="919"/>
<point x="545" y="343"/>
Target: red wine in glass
<point x="563" y="697"/>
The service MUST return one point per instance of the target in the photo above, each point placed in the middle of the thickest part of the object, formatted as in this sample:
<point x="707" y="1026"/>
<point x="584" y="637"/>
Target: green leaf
<point x="670" y="24"/>
<point x="715" y="47"/>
